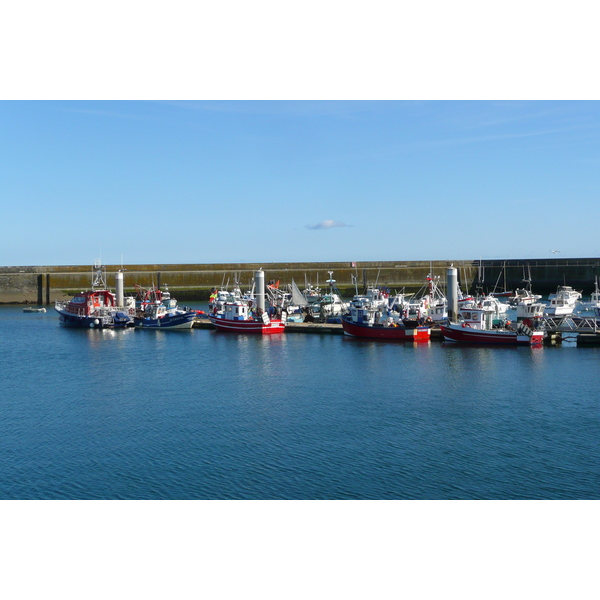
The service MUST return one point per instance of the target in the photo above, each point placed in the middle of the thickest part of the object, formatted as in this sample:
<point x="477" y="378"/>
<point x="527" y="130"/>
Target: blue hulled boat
<point x="157" y="310"/>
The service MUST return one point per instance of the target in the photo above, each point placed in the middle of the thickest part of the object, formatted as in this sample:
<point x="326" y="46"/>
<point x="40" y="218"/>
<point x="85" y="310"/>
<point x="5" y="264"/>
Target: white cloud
<point x="327" y="224"/>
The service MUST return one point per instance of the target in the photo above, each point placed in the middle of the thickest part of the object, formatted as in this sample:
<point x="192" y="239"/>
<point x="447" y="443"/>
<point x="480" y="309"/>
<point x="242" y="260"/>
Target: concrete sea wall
<point x="45" y="284"/>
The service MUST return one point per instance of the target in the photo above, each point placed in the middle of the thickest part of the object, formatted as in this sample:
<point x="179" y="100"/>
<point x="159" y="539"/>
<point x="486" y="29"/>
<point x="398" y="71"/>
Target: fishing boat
<point x="157" y="310"/>
<point x="250" y="315"/>
<point x="376" y="316"/>
<point x="311" y="293"/>
<point x="99" y="307"/>
<point x="464" y="300"/>
<point x="563" y="302"/>
<point x="292" y="302"/>
<point x="524" y="295"/>
<point x="218" y="298"/>
<point x="504" y="293"/>
<point x="531" y="314"/>
<point x="475" y="326"/>
<point x="385" y="330"/>
<point x="329" y="308"/>
<point x="493" y="305"/>
<point x="380" y="298"/>
<point x="429" y="303"/>
<point x="243" y="317"/>
<point x="594" y="301"/>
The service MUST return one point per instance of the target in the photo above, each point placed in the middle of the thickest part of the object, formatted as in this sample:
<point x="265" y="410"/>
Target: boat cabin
<point x="493" y="305"/>
<point x="530" y="311"/>
<point x="360" y="312"/>
<point x="439" y="311"/>
<point x="565" y="295"/>
<point x="154" y="310"/>
<point x="169" y="303"/>
<point x="89" y="303"/>
<point x="237" y="311"/>
<point x="476" y="318"/>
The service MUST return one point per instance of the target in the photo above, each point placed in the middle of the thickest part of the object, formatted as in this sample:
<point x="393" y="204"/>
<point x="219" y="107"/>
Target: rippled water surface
<point x="207" y="415"/>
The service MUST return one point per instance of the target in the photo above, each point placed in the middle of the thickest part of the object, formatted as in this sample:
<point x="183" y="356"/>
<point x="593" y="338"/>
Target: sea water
<point x="201" y="414"/>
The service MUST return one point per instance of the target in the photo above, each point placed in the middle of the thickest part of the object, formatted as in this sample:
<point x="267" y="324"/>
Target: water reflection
<point x="202" y="414"/>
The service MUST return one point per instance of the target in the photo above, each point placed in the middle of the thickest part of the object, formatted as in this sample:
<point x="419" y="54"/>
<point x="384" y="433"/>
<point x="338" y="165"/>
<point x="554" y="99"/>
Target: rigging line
<point x="497" y="281"/>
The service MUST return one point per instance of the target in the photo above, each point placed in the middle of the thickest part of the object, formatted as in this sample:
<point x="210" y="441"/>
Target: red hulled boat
<point x="376" y="315"/>
<point x="381" y="331"/>
<point x="241" y="317"/>
<point x="475" y="326"/>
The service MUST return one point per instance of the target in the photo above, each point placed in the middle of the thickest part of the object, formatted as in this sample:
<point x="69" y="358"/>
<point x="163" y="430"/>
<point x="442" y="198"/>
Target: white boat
<point x="493" y="305"/>
<point x="32" y="309"/>
<point x="330" y="307"/>
<point x="429" y="303"/>
<point x="563" y="302"/>
<point x="311" y="294"/>
<point x="373" y="298"/>
<point x="530" y="311"/>
<point x="524" y="295"/>
<point x="288" y="299"/>
<point x="594" y="299"/>
<point x="476" y="326"/>
<point x="218" y="298"/>
<point x="465" y="300"/>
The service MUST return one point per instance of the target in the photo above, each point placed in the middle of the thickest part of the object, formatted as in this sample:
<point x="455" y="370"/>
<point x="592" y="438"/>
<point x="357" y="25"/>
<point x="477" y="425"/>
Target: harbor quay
<point x="316" y="328"/>
<point x="43" y="285"/>
<point x="551" y="339"/>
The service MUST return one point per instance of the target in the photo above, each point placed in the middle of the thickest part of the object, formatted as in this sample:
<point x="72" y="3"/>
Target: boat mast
<point x="98" y="276"/>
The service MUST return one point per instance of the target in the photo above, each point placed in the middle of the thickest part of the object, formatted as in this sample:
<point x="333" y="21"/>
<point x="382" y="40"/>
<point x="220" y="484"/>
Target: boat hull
<point x="559" y="311"/>
<point x="458" y="333"/>
<point x="178" y="321"/>
<point x="92" y="322"/>
<point x="249" y="326"/>
<point x="385" y="333"/>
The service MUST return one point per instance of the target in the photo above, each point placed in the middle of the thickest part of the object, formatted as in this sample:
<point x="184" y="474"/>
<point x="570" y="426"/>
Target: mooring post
<point x="452" y="281"/>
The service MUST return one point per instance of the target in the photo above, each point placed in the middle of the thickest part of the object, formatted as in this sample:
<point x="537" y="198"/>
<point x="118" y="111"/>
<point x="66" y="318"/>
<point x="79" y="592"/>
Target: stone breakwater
<point x="44" y="284"/>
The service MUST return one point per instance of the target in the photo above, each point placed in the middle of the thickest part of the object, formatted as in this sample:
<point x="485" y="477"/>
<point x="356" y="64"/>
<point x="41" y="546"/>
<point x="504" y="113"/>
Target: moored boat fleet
<point x="377" y="313"/>
<point x="100" y="308"/>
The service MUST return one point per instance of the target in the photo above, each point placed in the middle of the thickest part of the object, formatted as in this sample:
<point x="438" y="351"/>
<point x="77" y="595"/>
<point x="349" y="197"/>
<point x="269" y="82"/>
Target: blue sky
<point x="264" y="181"/>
